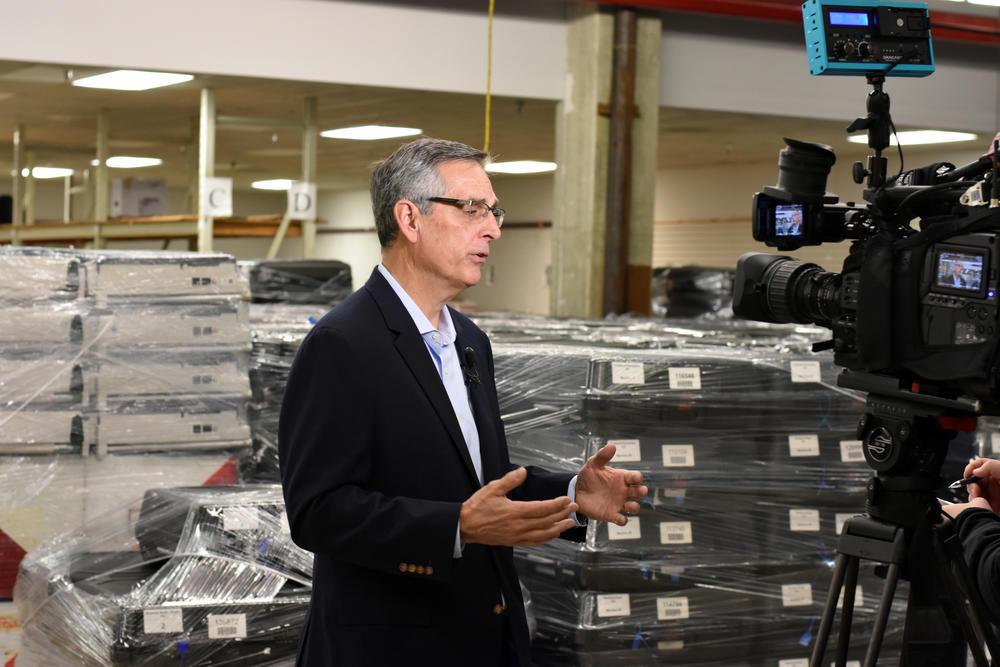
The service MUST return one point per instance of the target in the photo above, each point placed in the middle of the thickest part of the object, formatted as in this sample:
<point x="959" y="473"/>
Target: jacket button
<point x="428" y="570"/>
<point x="420" y="569"/>
<point x="402" y="567"/>
<point x="498" y="609"/>
<point x="411" y="568"/>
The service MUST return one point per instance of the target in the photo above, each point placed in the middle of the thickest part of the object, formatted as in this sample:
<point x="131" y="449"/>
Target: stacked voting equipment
<point x="197" y="576"/>
<point x="119" y="372"/>
<point x="750" y="453"/>
<point x="288" y="296"/>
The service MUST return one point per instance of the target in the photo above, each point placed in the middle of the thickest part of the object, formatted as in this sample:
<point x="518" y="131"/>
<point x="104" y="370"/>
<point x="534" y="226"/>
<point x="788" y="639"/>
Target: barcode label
<point x="796" y="595"/>
<point x="627" y="373"/>
<point x="678" y="456"/>
<point x="851" y="451"/>
<point x="803" y="521"/>
<point x="626" y="451"/>
<point x="794" y="662"/>
<point x="995" y="443"/>
<point x="675" y="532"/>
<point x="162" y="621"/>
<point x="688" y="377"/>
<point x="613" y="605"/>
<point x="630" y="531"/>
<point x="227" y="626"/>
<point x="803" y="445"/>
<point x="805" y="371"/>
<point x="668" y="609"/>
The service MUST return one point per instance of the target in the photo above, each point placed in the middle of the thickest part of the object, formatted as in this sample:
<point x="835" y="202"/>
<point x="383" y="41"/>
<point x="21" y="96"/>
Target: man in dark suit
<point x="393" y="458"/>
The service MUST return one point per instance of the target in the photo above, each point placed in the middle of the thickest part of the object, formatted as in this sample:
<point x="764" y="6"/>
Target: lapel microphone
<point x="469" y="367"/>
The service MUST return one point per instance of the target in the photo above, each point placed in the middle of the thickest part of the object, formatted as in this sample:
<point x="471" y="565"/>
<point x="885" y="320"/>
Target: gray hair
<point x="412" y="173"/>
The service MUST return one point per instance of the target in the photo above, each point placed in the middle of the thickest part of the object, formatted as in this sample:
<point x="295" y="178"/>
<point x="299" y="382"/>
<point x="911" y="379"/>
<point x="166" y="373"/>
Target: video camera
<point x="914" y="307"/>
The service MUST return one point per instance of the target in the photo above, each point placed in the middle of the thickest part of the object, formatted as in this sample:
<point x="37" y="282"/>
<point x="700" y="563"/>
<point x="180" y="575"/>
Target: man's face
<point x="453" y="245"/>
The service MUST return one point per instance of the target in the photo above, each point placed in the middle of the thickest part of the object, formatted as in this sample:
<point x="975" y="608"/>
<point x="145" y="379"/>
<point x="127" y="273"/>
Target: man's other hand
<point x="490" y="517"/>
<point x="608" y="494"/>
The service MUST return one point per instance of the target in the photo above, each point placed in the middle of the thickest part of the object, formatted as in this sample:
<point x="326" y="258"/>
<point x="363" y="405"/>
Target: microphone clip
<point x="469" y="367"/>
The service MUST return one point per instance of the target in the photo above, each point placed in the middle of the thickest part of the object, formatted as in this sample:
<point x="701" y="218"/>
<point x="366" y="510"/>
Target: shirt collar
<point x="445" y="326"/>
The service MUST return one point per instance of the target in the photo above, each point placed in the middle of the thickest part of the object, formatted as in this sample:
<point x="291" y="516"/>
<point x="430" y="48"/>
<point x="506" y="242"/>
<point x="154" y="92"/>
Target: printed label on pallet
<point x="688" y="377"/>
<point x="806" y="371"/>
<point x="627" y="373"/>
<point x="227" y="626"/>
<point x="803" y="521"/>
<point x="670" y="609"/>
<point x="806" y="444"/>
<point x="613" y="605"/>
<point x="678" y="456"/>
<point x="626" y="451"/>
<point x="162" y="621"/>
<point x="630" y="531"/>
<point x="675" y="532"/>
<point x="796" y="595"/>
<point x="851" y="451"/>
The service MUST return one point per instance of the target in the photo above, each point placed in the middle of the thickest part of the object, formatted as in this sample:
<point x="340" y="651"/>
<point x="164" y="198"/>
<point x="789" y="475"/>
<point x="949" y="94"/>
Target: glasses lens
<point x="498" y="213"/>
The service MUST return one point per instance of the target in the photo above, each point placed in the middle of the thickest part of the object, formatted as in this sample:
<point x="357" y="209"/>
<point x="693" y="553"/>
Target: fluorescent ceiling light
<point x="918" y="137"/>
<point x="128" y="162"/>
<point x="47" y="172"/>
<point x="370" y="132"/>
<point x="520" y="167"/>
<point x="273" y="184"/>
<point x="988" y="3"/>
<point x="130" y="79"/>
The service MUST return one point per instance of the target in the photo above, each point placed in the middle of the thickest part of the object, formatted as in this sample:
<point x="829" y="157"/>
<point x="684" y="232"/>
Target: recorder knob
<point x="840" y="49"/>
<point x="859" y="173"/>
<point x="864" y="49"/>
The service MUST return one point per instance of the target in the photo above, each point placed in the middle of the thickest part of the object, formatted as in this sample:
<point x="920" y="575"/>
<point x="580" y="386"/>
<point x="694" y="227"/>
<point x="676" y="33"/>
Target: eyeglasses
<point x="473" y="208"/>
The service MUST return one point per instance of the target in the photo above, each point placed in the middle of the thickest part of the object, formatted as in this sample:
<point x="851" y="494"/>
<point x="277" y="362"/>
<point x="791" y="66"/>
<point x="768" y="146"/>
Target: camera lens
<point x="775" y="288"/>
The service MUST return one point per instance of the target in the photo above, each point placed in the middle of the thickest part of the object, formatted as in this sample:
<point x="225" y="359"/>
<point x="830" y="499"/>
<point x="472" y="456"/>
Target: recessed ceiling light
<point x="131" y="79"/>
<point x="47" y="172"/>
<point x="520" y="167"/>
<point x="988" y="3"/>
<point x="272" y="184"/>
<point x="918" y="137"/>
<point x="128" y="162"/>
<point x="370" y="132"/>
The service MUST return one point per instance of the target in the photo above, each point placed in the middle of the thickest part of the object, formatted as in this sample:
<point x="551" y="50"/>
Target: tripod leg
<point x="884" y="607"/>
<point x="826" y="622"/>
<point x="847" y="612"/>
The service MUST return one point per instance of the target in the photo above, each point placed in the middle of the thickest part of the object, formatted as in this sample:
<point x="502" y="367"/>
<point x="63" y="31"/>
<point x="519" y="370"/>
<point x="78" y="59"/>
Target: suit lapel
<point x="481" y="409"/>
<point x="414" y="352"/>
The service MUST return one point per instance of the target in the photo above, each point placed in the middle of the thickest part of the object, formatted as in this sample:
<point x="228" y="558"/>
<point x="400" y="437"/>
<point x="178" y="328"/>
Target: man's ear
<point x="407" y="218"/>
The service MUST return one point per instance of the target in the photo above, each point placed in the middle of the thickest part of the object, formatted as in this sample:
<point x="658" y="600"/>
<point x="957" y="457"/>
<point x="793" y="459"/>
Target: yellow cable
<point x="489" y="72"/>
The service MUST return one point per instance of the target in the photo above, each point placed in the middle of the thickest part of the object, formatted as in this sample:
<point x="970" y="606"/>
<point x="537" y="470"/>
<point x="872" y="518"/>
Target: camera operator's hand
<point x="988" y="489"/>
<point x="954" y="509"/>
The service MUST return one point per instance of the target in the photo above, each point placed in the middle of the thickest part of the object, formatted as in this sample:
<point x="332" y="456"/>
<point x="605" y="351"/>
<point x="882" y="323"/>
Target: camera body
<point x="918" y="305"/>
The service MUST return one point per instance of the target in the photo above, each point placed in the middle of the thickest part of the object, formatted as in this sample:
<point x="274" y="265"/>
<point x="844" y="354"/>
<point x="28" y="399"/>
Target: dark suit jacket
<point x="374" y="469"/>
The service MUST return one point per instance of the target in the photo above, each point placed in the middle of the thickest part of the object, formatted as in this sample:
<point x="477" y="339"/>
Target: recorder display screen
<point x="959" y="270"/>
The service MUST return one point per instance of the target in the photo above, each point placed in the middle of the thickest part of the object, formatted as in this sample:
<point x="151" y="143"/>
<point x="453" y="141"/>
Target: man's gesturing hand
<point x="490" y="517"/>
<point x="608" y="494"/>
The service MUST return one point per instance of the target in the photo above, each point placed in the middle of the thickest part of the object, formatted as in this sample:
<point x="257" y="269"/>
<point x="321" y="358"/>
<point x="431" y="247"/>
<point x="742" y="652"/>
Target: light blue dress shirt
<point x="440" y="344"/>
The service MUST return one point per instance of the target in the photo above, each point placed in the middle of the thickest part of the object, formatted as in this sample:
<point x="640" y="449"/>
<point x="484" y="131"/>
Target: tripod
<point x="905" y="437"/>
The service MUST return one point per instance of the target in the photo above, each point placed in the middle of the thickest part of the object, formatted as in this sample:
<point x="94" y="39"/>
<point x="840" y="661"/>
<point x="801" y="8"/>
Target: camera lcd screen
<point x="788" y="220"/>
<point x="849" y="18"/>
<point x="959" y="270"/>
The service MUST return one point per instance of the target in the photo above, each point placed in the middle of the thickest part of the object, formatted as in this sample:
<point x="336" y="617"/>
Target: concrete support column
<point x="310" y="136"/>
<point x="17" y="193"/>
<point x="102" y="180"/>
<point x="644" y="161"/>
<point x="578" y="225"/>
<point x="29" y="190"/>
<point x="206" y="167"/>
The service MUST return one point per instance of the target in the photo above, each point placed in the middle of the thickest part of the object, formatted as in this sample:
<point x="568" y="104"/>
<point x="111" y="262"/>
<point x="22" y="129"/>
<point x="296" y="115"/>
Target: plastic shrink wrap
<point x="194" y="576"/>
<point x="749" y="450"/>
<point x="119" y="372"/>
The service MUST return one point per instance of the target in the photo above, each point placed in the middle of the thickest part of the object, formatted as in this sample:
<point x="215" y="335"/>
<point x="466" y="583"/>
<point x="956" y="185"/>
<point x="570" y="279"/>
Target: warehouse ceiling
<point x="59" y="123"/>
